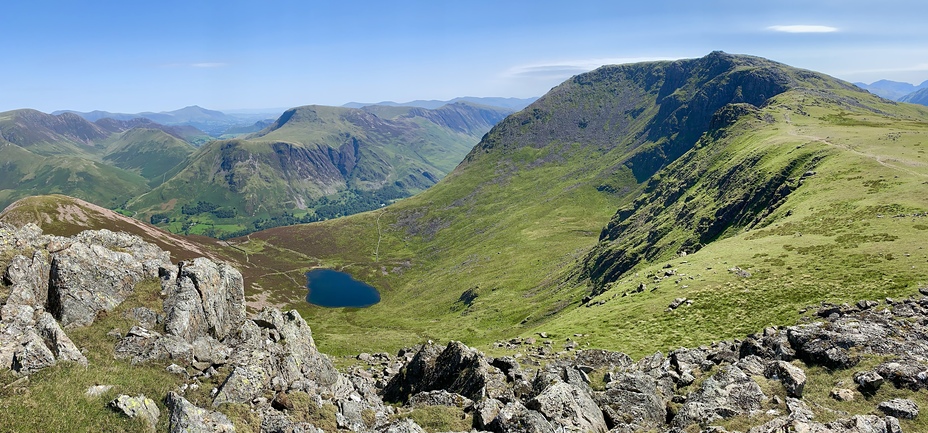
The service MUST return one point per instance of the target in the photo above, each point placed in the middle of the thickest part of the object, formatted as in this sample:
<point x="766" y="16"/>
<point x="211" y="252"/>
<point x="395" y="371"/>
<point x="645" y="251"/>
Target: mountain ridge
<point x="514" y="104"/>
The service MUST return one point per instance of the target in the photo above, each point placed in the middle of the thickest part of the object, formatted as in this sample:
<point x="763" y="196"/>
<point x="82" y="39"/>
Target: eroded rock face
<point x="570" y="407"/>
<point x="57" y="341"/>
<point x="95" y="271"/>
<point x="206" y="298"/>
<point x="728" y="393"/>
<point x="631" y="403"/>
<point x="188" y="418"/>
<point x="516" y="418"/>
<point x="792" y="377"/>
<point x="458" y="368"/>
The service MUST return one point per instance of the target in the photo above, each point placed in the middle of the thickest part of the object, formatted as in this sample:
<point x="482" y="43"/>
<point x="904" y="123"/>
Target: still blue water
<point x="328" y="288"/>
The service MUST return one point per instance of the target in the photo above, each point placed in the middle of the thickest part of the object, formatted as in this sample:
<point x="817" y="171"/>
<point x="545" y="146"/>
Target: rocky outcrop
<point x="95" y="271"/>
<point x="268" y="367"/>
<point x="70" y="279"/>
<point x="188" y="418"/>
<point x="570" y="407"/>
<point x="632" y="403"/>
<point x="203" y="298"/>
<point x="457" y="368"/>
<point x="728" y="393"/>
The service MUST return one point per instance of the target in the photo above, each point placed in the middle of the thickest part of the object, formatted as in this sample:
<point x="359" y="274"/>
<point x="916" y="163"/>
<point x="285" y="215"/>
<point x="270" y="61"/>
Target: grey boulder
<point x="188" y="418"/>
<point x="138" y="407"/>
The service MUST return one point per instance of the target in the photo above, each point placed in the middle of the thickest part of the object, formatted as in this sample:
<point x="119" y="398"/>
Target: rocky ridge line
<point x="269" y="362"/>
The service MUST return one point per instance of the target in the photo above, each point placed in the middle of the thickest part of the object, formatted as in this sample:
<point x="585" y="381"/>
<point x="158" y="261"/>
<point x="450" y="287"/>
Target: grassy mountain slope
<point x="66" y="216"/>
<point x="314" y="162"/>
<point x="818" y="196"/>
<point x="46" y="134"/>
<point x="66" y="154"/>
<point x="511" y="104"/>
<point x="150" y="152"/>
<point x="497" y="247"/>
<point x="186" y="133"/>
<point x="23" y="174"/>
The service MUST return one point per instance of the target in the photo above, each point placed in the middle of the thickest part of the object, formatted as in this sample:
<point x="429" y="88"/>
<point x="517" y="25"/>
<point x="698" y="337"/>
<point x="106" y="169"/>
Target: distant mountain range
<point x="514" y="104"/>
<point x="311" y="163"/>
<point x="894" y="90"/>
<point x="215" y="123"/>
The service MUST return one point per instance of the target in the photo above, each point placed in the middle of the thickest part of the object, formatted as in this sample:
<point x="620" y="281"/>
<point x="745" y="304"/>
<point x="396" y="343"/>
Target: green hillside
<point x="713" y="157"/>
<point x="25" y="174"/>
<point x="46" y="134"/>
<point x="314" y="163"/>
<point x="106" y="164"/>
<point x="151" y="153"/>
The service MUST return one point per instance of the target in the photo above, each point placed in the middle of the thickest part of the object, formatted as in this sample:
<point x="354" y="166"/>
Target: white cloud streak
<point x="208" y="65"/>
<point x="803" y="29"/>
<point x="569" y="68"/>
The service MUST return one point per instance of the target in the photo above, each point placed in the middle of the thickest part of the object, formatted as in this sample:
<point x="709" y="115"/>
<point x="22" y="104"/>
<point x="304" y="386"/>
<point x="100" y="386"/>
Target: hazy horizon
<point x="135" y="57"/>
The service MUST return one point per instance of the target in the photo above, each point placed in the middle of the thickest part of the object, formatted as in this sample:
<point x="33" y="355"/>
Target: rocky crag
<point x="268" y="366"/>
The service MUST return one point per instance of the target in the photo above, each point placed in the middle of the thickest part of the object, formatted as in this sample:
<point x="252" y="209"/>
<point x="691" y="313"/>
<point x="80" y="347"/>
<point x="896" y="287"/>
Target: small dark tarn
<point x="333" y="289"/>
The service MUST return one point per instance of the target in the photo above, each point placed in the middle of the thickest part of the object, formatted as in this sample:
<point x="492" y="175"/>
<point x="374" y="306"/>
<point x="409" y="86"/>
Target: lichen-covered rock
<point x="569" y="407"/>
<point x="516" y="418"/>
<point x="404" y="425"/>
<point x="188" y="418"/>
<point x="150" y="256"/>
<point x="728" y="393"/>
<point x="86" y="279"/>
<point x="205" y="299"/>
<point x="817" y="344"/>
<point x="792" y="377"/>
<point x="441" y="398"/>
<point x="33" y="355"/>
<point x="904" y="373"/>
<point x="899" y="408"/>
<point x="869" y="382"/>
<point x="28" y="279"/>
<point x="138" y="407"/>
<point x="632" y="403"/>
<point x="56" y="340"/>
<point x="486" y="411"/>
<point x="855" y="424"/>
<point x="458" y="368"/>
<point x="244" y="384"/>
<point x="277" y="422"/>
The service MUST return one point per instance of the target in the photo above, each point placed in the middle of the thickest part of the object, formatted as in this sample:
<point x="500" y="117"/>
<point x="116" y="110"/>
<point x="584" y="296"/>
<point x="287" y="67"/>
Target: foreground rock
<point x="95" y="271"/>
<point x="52" y="283"/>
<point x="270" y="375"/>
<point x="138" y="407"/>
<point x="188" y="418"/>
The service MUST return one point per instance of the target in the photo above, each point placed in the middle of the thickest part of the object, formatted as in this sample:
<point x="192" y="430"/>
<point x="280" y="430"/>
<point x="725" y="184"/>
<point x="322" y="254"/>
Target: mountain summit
<point x="622" y="170"/>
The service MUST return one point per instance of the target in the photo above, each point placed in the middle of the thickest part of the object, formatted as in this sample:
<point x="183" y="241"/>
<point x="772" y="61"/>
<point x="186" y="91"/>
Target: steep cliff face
<point x="651" y="113"/>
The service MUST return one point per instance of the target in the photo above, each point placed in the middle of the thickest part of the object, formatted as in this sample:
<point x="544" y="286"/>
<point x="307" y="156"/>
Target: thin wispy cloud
<point x="209" y="65"/>
<point x="199" y="65"/>
<point x="803" y="29"/>
<point x="569" y="68"/>
<point x="911" y="68"/>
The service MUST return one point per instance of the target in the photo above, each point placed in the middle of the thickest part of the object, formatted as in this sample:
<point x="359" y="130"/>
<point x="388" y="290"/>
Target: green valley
<point x="782" y="187"/>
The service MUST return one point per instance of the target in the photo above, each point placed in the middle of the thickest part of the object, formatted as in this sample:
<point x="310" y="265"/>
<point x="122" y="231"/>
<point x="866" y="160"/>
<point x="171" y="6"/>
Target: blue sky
<point x="132" y="56"/>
